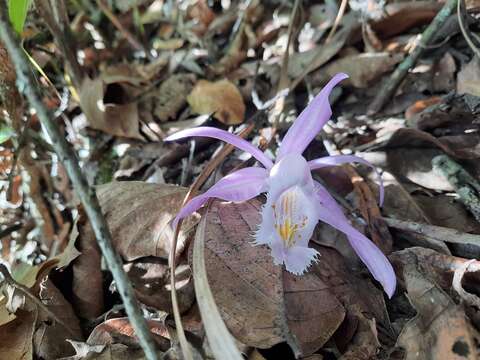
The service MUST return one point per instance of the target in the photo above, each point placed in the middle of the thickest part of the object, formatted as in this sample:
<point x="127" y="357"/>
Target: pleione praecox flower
<point x="295" y="202"/>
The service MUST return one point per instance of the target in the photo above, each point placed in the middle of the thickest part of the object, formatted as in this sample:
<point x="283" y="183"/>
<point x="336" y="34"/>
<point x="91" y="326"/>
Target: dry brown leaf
<point x="119" y="330"/>
<point x="119" y="119"/>
<point x="440" y="330"/>
<point x="150" y="278"/>
<point x="410" y="153"/>
<point x="439" y="267"/>
<point x="261" y="304"/>
<point x="362" y="69"/>
<point x="16" y="336"/>
<point x="220" y="98"/>
<point x="468" y="79"/>
<point x="50" y="337"/>
<point x="312" y="59"/>
<point x="171" y="96"/>
<point x="139" y="216"/>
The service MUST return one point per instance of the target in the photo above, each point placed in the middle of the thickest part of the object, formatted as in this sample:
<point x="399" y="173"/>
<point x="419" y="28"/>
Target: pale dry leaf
<point x="115" y="118"/>
<point x="221" y="98"/>
<point x="468" y="79"/>
<point x="82" y="350"/>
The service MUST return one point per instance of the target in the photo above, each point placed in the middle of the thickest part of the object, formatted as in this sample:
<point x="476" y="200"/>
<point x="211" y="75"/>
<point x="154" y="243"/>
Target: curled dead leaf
<point x="119" y="119"/>
<point x="220" y="98"/>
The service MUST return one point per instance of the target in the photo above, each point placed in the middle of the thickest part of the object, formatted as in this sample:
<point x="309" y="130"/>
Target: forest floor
<point x="118" y="77"/>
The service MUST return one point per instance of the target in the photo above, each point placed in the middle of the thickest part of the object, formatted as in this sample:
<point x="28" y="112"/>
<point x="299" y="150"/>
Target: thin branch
<point x="341" y="11"/>
<point x="465" y="33"/>
<point x="137" y="45"/>
<point x="389" y="88"/>
<point x="437" y="233"/>
<point x="26" y="84"/>
<point x="64" y="39"/>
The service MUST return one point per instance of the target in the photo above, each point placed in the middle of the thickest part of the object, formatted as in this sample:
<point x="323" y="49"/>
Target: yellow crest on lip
<point x="288" y="219"/>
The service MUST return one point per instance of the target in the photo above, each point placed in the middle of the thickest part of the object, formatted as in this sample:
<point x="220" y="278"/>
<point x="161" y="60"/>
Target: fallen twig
<point x="63" y="37"/>
<point x="438" y="233"/>
<point x="340" y="13"/>
<point x="385" y="94"/>
<point x="467" y="188"/>
<point x="26" y="84"/>
<point x="463" y="29"/>
<point x="137" y="45"/>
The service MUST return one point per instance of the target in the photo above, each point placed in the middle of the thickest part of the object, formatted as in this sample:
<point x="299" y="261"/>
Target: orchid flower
<point x="295" y="202"/>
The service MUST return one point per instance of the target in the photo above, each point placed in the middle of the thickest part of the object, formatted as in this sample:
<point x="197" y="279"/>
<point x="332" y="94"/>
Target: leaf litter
<point x="154" y="69"/>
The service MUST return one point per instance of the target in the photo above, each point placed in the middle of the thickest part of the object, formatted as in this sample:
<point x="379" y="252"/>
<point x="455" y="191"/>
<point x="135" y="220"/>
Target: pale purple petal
<point x="310" y="121"/>
<point x="238" y="186"/>
<point x="342" y="159"/>
<point x="298" y="259"/>
<point x="237" y="141"/>
<point x="371" y="255"/>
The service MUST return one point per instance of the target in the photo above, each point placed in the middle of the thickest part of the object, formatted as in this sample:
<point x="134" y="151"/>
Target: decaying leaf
<point x="260" y="303"/>
<point x="440" y="330"/>
<point x="220" y="98"/>
<point x="362" y="69"/>
<point x="116" y="118"/>
<point x="139" y="216"/>
<point x="468" y="79"/>
<point x="49" y="338"/>
<point x="171" y="96"/>
<point x="16" y="336"/>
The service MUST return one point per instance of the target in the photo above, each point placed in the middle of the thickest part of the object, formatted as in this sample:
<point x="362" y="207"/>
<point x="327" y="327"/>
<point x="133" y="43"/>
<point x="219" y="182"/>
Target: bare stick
<point x="437" y="233"/>
<point x="63" y="37"/>
<point x="341" y="11"/>
<point x="460" y="11"/>
<point x="26" y="84"/>
<point x="389" y="88"/>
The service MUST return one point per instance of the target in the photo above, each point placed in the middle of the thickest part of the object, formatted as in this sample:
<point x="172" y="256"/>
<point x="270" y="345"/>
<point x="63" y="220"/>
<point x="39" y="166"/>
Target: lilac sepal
<point x="237" y="141"/>
<point x="343" y="159"/>
<point x="373" y="258"/>
<point x="240" y="185"/>
<point x="310" y="121"/>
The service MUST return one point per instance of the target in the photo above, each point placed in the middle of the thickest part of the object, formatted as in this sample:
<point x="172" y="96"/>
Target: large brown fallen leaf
<point x="441" y="329"/>
<point x="221" y="98"/>
<point x="260" y="303"/>
<point x="139" y="216"/>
